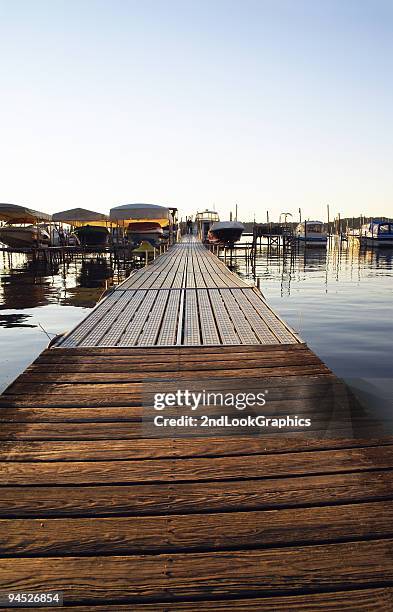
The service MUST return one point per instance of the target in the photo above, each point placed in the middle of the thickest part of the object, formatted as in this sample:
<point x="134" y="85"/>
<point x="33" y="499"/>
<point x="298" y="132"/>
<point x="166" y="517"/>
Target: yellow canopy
<point x="138" y="213"/>
<point x="77" y="217"/>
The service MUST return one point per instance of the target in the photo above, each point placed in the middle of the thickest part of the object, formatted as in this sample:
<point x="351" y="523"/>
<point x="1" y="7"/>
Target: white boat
<point x="21" y="227"/>
<point x="203" y="221"/>
<point x="142" y="222"/>
<point x="377" y="232"/>
<point x="25" y="236"/>
<point x="225" y="232"/>
<point x="311" y="233"/>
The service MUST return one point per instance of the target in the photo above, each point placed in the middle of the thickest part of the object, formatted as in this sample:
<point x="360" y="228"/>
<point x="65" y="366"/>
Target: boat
<point x="203" y="221"/>
<point x="21" y="227"/>
<point x="26" y="236"/>
<point x="143" y="222"/>
<point x="311" y="233"/>
<point x="378" y="232"/>
<point x="144" y="231"/>
<point x="90" y="227"/>
<point x="92" y="235"/>
<point x="225" y="232"/>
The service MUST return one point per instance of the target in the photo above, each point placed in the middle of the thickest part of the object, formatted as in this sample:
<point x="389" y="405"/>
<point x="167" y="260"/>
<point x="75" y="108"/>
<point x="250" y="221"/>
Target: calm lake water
<point x="339" y="300"/>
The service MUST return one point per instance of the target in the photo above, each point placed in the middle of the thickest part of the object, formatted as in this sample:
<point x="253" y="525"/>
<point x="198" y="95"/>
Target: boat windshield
<point x="314" y="227"/>
<point x="385" y="228"/>
<point x="207" y="215"/>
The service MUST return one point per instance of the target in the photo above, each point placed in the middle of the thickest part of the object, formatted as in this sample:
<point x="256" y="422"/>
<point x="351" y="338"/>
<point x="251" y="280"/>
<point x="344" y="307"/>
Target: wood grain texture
<point x="219" y="531"/>
<point x="142" y="448"/>
<point x="191" y="497"/>
<point x="221" y="574"/>
<point x="365" y="600"/>
<point x="197" y="469"/>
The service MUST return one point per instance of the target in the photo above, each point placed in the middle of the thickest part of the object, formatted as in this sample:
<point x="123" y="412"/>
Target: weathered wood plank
<point x="165" y="577"/>
<point x="62" y="387"/>
<point x="198" y="469"/>
<point x="218" y="531"/>
<point x="185" y="498"/>
<point x="142" y="448"/>
<point x="326" y="408"/>
<point x="364" y="600"/>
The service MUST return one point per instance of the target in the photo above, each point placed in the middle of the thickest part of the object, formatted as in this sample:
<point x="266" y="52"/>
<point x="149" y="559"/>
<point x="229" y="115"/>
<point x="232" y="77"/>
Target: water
<point x="39" y="301"/>
<point x="339" y="300"/>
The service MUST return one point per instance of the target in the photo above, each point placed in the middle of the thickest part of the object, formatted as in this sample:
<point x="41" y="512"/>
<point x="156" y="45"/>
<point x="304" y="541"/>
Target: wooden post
<point x="328" y="218"/>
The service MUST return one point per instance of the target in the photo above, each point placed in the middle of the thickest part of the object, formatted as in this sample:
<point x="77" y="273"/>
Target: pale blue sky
<point x="269" y="103"/>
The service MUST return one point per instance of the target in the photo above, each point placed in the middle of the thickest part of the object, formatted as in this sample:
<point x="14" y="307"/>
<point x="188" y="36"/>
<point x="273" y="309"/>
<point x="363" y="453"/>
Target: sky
<point x="271" y="104"/>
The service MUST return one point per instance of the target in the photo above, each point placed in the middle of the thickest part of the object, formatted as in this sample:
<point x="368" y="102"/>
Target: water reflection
<point x="77" y="281"/>
<point x="15" y="320"/>
<point x="339" y="300"/>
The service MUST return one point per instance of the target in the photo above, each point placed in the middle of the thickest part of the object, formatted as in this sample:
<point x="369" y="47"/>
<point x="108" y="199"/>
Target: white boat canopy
<point x="129" y="213"/>
<point x="12" y="213"/>
<point x="81" y="216"/>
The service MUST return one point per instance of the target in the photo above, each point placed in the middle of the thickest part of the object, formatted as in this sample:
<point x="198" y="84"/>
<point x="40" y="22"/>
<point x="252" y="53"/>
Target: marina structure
<point x="101" y="504"/>
<point x="23" y="227"/>
<point x="91" y="228"/>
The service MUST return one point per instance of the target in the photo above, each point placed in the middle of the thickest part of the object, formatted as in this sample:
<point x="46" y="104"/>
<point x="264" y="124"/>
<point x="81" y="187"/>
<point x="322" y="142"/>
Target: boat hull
<point x="313" y="241"/>
<point x="90" y="235"/>
<point x="225" y="236"/>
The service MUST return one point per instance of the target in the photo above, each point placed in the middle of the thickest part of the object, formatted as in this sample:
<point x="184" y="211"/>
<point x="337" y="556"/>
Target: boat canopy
<point x="131" y="213"/>
<point x="12" y="213"/>
<point x="81" y="216"/>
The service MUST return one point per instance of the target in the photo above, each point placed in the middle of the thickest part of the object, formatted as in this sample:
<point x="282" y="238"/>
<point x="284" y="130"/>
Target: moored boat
<point x="25" y="236"/>
<point x="148" y="231"/>
<point x="311" y="233"/>
<point x="91" y="228"/>
<point x="21" y="227"/>
<point x="377" y="232"/>
<point x="203" y="221"/>
<point x="143" y="222"/>
<point x="225" y="232"/>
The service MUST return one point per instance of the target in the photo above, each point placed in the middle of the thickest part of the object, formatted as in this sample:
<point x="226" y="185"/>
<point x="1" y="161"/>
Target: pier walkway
<point x="97" y="503"/>
<point x="186" y="297"/>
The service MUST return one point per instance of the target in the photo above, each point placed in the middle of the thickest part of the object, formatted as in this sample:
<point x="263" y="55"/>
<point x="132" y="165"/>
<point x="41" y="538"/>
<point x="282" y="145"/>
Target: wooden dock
<point x="95" y="504"/>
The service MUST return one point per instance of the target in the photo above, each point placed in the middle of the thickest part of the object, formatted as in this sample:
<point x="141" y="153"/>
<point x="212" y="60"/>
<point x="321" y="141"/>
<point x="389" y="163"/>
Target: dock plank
<point x="165" y="577"/>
